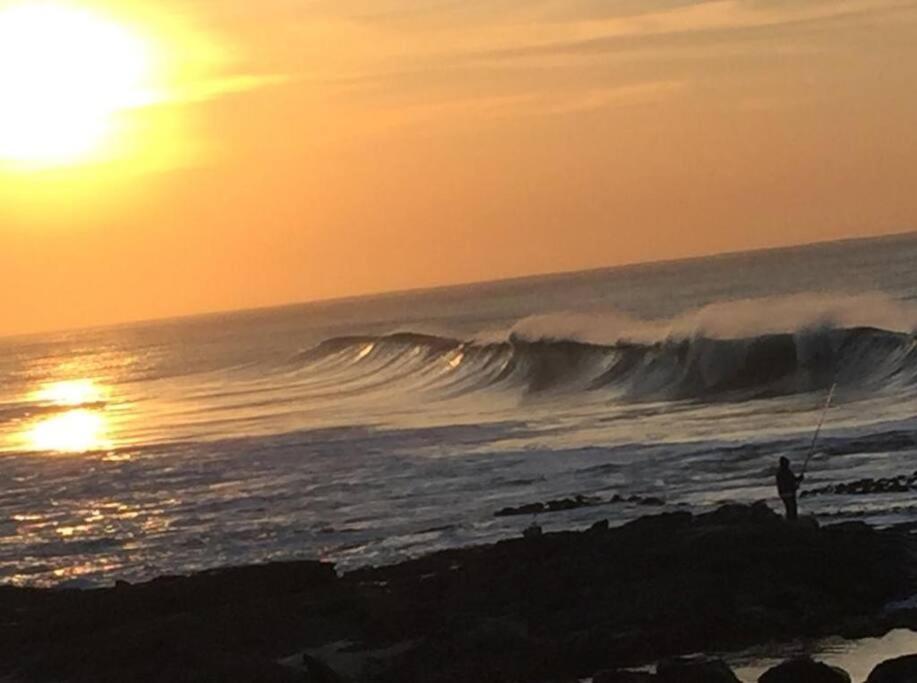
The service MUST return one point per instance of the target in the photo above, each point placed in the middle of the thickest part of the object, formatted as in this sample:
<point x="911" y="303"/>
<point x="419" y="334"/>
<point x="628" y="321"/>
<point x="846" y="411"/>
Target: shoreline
<point x="559" y="606"/>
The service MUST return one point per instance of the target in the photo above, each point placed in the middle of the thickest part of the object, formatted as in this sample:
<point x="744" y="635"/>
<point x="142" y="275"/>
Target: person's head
<point x="784" y="462"/>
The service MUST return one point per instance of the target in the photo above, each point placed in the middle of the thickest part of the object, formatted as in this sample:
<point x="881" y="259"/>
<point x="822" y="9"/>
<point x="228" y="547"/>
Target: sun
<point x="66" y="73"/>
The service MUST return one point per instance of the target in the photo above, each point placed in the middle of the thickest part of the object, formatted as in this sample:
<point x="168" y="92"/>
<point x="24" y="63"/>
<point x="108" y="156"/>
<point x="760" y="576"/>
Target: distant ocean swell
<point x="676" y="368"/>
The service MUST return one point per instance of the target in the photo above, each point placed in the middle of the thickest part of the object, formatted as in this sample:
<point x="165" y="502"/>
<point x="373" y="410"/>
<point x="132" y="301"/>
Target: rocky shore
<point x="556" y="607"/>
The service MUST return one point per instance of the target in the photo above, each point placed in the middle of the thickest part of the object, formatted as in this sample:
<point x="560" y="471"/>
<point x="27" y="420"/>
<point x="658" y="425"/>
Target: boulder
<point x="897" y="670"/>
<point x="804" y="670"/>
<point x="694" y="670"/>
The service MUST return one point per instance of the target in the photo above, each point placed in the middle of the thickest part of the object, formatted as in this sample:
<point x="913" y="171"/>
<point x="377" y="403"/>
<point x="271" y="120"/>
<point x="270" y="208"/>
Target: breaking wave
<point x="698" y="367"/>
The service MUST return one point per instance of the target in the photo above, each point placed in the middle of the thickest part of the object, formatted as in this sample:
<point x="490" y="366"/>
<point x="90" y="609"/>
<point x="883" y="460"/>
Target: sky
<point x="292" y="150"/>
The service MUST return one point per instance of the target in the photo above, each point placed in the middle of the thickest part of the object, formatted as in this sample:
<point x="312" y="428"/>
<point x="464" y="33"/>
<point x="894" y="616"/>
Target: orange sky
<point x="335" y="147"/>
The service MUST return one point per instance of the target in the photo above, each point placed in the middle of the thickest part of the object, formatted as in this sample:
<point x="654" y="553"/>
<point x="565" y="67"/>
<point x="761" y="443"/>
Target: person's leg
<point x="789" y="502"/>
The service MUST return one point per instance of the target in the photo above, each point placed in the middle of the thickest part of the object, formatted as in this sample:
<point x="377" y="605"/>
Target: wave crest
<point x="696" y="367"/>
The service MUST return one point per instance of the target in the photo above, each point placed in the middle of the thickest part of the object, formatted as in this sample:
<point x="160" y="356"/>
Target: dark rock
<point x="559" y="505"/>
<point x="316" y="671"/>
<point x="651" y="501"/>
<point x="694" y="670"/>
<point x="557" y="608"/>
<point x="758" y="513"/>
<point x="809" y="521"/>
<point x="245" y="582"/>
<point x="529" y="509"/>
<point x="901" y="483"/>
<point x="897" y="670"/>
<point x="660" y="526"/>
<point x="623" y="676"/>
<point x="532" y="531"/>
<point x="600" y="526"/>
<point x="497" y="633"/>
<point x="804" y="670"/>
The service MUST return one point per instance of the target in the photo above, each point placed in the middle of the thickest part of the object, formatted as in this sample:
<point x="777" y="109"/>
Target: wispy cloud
<point x="383" y="63"/>
<point x="528" y="104"/>
<point x="204" y="90"/>
<point x="714" y="20"/>
<point x="410" y="44"/>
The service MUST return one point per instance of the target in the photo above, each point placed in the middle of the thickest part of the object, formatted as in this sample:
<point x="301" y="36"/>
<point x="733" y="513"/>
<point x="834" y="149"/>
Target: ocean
<point x="364" y="431"/>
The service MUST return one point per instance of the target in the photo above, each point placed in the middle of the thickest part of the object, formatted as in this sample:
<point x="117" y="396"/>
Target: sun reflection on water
<point x="80" y="426"/>
<point x="75" y="431"/>
<point x="74" y="392"/>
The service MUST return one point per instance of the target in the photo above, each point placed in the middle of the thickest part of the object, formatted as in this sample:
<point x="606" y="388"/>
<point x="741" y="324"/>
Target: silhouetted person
<point x="787" y="485"/>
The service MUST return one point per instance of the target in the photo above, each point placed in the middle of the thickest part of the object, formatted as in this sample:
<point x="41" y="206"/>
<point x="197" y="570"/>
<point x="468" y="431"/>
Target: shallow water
<point x="368" y="430"/>
<point x="857" y="657"/>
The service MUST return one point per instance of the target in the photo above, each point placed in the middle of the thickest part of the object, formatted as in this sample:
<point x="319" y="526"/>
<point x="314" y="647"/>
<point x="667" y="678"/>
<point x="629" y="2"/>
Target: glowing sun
<point x="65" y="75"/>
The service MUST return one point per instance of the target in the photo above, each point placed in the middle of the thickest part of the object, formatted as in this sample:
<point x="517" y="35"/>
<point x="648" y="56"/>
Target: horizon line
<point x="456" y="285"/>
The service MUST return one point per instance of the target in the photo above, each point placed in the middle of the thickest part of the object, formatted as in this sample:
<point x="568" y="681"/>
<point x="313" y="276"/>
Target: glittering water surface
<point x="368" y="430"/>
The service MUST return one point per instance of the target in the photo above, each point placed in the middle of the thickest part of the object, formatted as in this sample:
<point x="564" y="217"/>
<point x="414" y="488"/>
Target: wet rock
<point x="576" y="502"/>
<point x="651" y="501"/>
<point x="599" y="527"/>
<point x="694" y="670"/>
<point x="529" y="509"/>
<point x="804" y="670"/>
<point x="898" y="670"/>
<point x="901" y="483"/>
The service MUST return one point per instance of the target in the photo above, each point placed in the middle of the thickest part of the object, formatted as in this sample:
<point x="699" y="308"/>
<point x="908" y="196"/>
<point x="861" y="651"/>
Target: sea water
<point x="367" y="430"/>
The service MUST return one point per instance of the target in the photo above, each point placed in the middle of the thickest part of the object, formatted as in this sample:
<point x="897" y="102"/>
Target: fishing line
<point x="821" y="421"/>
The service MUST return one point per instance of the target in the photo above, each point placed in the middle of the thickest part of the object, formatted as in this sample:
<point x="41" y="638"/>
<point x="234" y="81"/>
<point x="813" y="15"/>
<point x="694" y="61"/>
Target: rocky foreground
<point x="554" y="607"/>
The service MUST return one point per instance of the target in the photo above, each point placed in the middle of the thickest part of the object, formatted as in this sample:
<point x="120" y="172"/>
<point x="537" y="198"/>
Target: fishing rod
<point x="821" y="421"/>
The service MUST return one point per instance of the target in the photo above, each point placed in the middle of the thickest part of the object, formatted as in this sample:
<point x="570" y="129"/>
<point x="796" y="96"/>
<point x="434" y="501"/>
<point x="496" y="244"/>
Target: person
<point x="787" y="485"/>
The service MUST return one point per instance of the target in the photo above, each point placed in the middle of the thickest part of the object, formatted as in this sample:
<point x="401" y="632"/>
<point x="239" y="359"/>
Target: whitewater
<point x="367" y="430"/>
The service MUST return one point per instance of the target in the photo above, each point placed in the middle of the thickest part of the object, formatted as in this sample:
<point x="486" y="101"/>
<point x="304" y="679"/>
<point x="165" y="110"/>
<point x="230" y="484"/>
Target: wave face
<point x="697" y="367"/>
